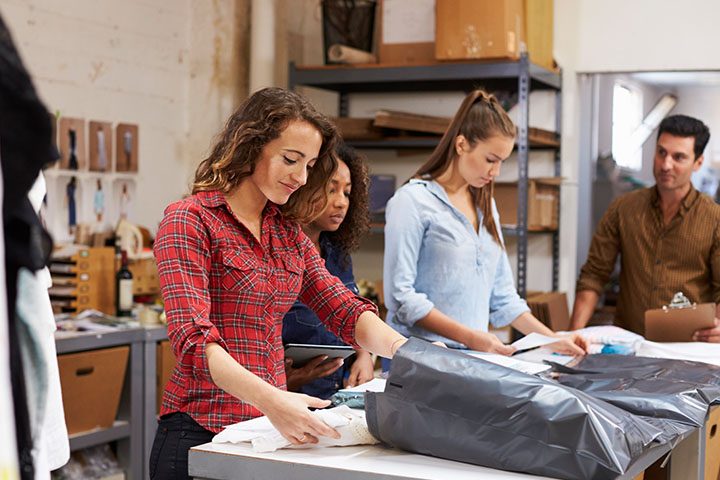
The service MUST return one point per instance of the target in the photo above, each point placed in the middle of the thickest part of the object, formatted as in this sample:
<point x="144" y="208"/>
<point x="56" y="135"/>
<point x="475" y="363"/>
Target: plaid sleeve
<point x="182" y="252"/>
<point x="334" y="304"/>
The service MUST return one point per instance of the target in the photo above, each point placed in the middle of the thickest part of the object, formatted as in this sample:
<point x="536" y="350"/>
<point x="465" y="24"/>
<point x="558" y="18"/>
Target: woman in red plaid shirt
<point x="232" y="260"/>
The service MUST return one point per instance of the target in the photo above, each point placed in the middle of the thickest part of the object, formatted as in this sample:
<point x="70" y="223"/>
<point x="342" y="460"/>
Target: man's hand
<point x="314" y="369"/>
<point x="711" y="335"/>
<point x="361" y="371"/>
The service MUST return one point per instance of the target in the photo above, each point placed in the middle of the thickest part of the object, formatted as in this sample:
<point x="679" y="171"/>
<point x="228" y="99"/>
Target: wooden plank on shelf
<point x="539" y="137"/>
<point x="411" y="121"/>
<point x="414" y="122"/>
<point x="359" y="129"/>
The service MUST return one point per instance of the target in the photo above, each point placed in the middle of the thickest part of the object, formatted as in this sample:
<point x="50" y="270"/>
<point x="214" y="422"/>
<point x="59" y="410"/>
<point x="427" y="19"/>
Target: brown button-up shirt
<point x="656" y="260"/>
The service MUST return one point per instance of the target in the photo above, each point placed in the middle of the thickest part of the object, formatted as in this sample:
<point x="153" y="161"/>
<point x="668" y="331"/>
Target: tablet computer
<point x="301" y="353"/>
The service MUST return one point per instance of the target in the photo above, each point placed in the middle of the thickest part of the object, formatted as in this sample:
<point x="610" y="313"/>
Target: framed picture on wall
<point x="72" y="143"/>
<point x="100" y="146"/>
<point x="126" y="151"/>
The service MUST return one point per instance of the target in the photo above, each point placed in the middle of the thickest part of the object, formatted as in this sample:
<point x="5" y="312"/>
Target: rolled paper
<point x="349" y="55"/>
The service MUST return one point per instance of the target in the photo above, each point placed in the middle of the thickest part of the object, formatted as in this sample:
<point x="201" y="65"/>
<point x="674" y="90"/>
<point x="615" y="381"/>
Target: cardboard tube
<point x="344" y="54"/>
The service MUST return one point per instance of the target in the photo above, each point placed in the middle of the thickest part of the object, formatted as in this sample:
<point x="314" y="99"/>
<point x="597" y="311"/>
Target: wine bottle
<point x="124" y="288"/>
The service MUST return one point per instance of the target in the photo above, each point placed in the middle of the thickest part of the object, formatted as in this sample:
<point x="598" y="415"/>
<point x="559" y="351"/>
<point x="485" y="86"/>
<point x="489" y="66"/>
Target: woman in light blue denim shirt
<point x="446" y="272"/>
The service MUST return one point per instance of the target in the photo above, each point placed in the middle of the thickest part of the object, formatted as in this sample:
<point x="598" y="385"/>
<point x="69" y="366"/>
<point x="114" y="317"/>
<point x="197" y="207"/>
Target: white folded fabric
<point x="349" y="423"/>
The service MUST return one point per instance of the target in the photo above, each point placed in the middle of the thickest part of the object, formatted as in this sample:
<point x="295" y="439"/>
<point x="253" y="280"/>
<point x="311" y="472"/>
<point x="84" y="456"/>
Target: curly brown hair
<point x="357" y="219"/>
<point x="259" y="120"/>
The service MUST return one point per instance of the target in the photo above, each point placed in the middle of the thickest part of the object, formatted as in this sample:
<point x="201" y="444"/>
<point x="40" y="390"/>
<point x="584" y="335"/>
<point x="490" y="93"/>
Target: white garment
<point x="349" y="423"/>
<point x="694" y="351"/>
<point x="102" y="155"/>
<point x="51" y="447"/>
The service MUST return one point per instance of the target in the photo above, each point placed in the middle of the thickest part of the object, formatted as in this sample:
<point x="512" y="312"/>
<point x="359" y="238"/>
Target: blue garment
<point x="434" y="258"/>
<point x="301" y="325"/>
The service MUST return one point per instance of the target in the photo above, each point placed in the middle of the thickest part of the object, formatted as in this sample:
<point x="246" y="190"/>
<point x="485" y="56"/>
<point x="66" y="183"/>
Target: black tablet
<point x="301" y="353"/>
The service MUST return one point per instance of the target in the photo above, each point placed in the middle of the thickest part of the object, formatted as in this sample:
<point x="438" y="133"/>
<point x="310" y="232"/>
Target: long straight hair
<point x="479" y="117"/>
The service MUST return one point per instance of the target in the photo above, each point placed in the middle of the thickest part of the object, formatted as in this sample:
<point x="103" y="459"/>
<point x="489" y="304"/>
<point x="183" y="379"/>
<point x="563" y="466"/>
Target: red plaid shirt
<point x="220" y="285"/>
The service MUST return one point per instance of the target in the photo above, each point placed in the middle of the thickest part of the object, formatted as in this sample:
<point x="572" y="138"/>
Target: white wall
<point x="621" y="36"/>
<point x="174" y="67"/>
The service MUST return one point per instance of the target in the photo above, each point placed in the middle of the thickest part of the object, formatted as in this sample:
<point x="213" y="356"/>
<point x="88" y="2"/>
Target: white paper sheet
<point x="520" y="365"/>
<point x="374" y="385"/>
<point x="533" y="340"/>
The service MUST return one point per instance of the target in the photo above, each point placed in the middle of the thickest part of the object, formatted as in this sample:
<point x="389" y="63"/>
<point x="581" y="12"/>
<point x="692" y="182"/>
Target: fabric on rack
<point x="36" y="329"/>
<point x="349" y="423"/>
<point x="25" y="147"/>
<point x="447" y="404"/>
<point x="102" y="154"/>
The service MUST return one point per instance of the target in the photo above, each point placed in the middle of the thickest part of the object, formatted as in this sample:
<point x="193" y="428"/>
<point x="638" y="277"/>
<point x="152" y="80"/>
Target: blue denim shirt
<point x="301" y="325"/>
<point x="434" y="258"/>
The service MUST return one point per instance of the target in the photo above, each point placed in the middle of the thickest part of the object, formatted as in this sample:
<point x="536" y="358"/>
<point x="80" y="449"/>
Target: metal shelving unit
<point x="519" y="76"/>
<point x="127" y="429"/>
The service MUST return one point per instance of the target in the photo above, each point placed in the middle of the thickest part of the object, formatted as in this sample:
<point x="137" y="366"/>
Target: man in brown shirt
<point x="668" y="237"/>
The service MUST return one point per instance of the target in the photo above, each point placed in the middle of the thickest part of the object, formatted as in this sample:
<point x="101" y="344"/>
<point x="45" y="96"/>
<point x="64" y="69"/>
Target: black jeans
<point x="176" y="433"/>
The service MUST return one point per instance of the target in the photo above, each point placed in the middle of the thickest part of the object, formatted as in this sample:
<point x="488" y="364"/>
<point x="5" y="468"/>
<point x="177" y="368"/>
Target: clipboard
<point x="678" y="321"/>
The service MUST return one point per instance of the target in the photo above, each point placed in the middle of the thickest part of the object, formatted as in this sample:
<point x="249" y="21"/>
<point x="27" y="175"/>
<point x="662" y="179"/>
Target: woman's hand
<point x="487" y="342"/>
<point x="361" y="370"/>
<point x="314" y="369"/>
<point x="571" y="344"/>
<point x="289" y="413"/>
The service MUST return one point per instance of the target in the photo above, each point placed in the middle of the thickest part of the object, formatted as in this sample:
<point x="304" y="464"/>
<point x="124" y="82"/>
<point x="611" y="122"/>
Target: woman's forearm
<point x="235" y="379"/>
<point x="374" y="335"/>
<point x="440" y="324"/>
<point x="527" y="323"/>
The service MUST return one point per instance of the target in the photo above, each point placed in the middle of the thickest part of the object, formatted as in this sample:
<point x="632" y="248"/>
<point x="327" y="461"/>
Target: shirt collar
<point x="216" y="199"/>
<point x="687" y="201"/>
<point x="433" y="187"/>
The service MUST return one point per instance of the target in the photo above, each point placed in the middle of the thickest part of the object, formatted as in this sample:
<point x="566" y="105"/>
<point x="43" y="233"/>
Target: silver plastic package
<point x="447" y="404"/>
<point x="677" y="390"/>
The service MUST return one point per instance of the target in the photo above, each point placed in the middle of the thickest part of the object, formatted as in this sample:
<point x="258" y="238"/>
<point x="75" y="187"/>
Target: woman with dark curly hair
<point x="335" y="233"/>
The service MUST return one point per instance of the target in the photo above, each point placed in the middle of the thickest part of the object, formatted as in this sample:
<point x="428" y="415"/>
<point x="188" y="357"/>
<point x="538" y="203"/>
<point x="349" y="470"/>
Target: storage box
<point x="91" y="385"/>
<point x="539" y="32"/>
<point x="165" y="367"/>
<point x="407" y="32"/>
<point x="543" y="201"/>
<point x="479" y="29"/>
<point x="145" y="276"/>
<point x="551" y="308"/>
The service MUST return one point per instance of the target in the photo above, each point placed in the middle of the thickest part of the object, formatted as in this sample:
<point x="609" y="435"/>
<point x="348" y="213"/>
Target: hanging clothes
<point x="26" y="146"/>
<point x="102" y="155"/>
<point x="36" y="329"/>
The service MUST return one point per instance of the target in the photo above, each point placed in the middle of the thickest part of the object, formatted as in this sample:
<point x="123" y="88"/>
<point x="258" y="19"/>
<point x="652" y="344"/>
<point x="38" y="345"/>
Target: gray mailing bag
<point x="447" y="404"/>
<point x="678" y="390"/>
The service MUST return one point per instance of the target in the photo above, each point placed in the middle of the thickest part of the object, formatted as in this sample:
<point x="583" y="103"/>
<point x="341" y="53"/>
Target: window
<point x="627" y="115"/>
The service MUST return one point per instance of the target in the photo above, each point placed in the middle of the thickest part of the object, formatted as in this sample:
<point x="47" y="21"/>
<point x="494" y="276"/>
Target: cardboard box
<point x="551" y="308"/>
<point x="165" y="366"/>
<point x="91" y="385"/>
<point x="543" y="201"/>
<point x="145" y="276"/>
<point x="479" y="29"/>
<point x="712" y="444"/>
<point x="407" y="32"/>
<point x="539" y="32"/>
